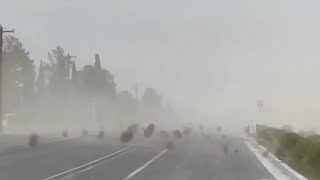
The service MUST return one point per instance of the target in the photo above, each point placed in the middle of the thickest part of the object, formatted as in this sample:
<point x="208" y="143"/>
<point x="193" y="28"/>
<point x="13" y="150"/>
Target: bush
<point x="177" y="134"/>
<point x="170" y="145"/>
<point x="33" y="139"/>
<point x="314" y="160"/>
<point x="187" y="131"/>
<point x="280" y="154"/>
<point x="164" y="134"/>
<point x="65" y="133"/>
<point x="219" y="129"/>
<point x="149" y="130"/>
<point x="133" y="128"/>
<point x="265" y="154"/>
<point x="84" y="132"/>
<point x="126" y="136"/>
<point x="299" y="152"/>
<point x="100" y="134"/>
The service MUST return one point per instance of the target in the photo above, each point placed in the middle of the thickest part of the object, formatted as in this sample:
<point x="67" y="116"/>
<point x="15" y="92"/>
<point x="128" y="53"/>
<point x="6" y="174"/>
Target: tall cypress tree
<point x="97" y="63"/>
<point x="40" y="81"/>
<point x="28" y="80"/>
<point x="74" y="74"/>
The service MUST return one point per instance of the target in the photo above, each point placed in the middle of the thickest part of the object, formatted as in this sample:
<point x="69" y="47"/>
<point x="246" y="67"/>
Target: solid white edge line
<point x="284" y="165"/>
<point x="76" y="168"/>
<point x="270" y="167"/>
<point x="145" y="165"/>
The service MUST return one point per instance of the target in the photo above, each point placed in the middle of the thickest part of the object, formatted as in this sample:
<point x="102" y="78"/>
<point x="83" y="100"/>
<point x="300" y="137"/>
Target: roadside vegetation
<point x="57" y="93"/>
<point x="33" y="139"/>
<point x="299" y="151"/>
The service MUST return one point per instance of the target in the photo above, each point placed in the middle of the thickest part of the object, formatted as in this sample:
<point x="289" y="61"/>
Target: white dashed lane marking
<point x="144" y="166"/>
<point x="89" y="165"/>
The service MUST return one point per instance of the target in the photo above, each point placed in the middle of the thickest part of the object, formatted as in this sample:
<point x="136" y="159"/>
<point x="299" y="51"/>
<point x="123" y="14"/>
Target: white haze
<point x="211" y="58"/>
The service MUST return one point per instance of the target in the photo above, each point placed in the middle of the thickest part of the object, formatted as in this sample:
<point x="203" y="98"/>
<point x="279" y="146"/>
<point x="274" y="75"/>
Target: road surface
<point x="85" y="158"/>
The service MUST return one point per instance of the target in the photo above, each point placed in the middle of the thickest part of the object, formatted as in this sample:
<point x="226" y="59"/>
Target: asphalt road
<point x="86" y="158"/>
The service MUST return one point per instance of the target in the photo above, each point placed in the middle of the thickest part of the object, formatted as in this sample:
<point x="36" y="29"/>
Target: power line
<point x="1" y="94"/>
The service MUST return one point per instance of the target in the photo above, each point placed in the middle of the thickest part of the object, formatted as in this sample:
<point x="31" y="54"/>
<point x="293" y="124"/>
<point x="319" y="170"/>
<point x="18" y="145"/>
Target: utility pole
<point x="260" y="104"/>
<point x="1" y="95"/>
<point x="69" y="63"/>
<point x="136" y="90"/>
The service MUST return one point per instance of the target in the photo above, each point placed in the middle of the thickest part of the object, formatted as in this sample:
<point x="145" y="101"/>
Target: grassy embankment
<point x="298" y="151"/>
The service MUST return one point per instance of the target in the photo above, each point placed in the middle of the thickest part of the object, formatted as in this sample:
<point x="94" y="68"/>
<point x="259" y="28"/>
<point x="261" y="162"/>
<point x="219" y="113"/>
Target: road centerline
<point x="145" y="165"/>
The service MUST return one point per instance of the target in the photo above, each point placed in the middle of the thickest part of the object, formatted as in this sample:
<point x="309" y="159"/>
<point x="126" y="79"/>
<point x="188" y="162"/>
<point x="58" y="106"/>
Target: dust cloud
<point x="172" y="63"/>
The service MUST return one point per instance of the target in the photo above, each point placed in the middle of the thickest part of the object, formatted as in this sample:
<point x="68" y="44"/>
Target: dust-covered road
<point x="84" y="158"/>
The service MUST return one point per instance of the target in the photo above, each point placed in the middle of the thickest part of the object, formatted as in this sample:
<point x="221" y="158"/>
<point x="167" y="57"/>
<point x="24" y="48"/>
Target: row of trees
<point x="58" y="80"/>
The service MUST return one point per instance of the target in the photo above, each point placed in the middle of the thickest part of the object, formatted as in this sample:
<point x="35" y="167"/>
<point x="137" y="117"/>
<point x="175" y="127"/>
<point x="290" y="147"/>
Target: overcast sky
<point x="207" y="55"/>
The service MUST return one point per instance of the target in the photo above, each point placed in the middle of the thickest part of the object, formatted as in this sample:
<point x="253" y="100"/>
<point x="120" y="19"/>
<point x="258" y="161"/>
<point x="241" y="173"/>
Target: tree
<point x="288" y="128"/>
<point x="74" y="74"/>
<point x="126" y="102"/>
<point x="151" y="98"/>
<point x="97" y="63"/>
<point x="59" y="68"/>
<point x="96" y="81"/>
<point x="41" y="81"/>
<point x="18" y="73"/>
<point x="28" y="74"/>
<point x="62" y="63"/>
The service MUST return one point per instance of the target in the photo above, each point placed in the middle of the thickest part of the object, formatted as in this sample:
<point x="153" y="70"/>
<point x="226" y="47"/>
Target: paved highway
<point x="86" y="158"/>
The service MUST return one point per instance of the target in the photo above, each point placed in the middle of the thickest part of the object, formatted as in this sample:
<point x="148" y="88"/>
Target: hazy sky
<point x="209" y="55"/>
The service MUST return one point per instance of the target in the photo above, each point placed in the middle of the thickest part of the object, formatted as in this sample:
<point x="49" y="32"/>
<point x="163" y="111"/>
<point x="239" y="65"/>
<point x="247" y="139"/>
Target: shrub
<point x="299" y="152"/>
<point x="33" y="139"/>
<point x="149" y="130"/>
<point x="219" y="129"/>
<point x="265" y="154"/>
<point x="170" y="145"/>
<point x="100" y="134"/>
<point x="133" y="128"/>
<point x="84" y="132"/>
<point x="187" y="131"/>
<point x="177" y="134"/>
<point x="65" y="133"/>
<point x="126" y="136"/>
<point x="164" y="134"/>
<point x="280" y="154"/>
<point x="314" y="160"/>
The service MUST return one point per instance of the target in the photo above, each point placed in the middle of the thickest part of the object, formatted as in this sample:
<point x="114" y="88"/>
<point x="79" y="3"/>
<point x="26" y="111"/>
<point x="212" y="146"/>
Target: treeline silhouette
<point x="59" y="92"/>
